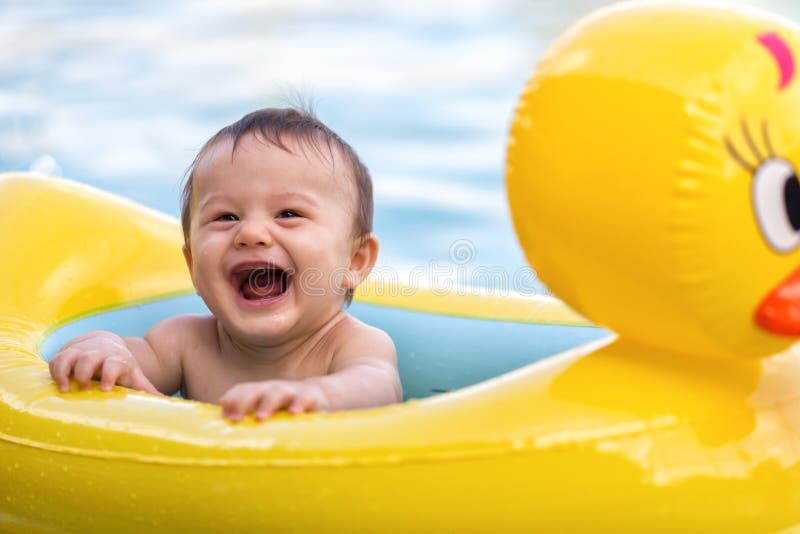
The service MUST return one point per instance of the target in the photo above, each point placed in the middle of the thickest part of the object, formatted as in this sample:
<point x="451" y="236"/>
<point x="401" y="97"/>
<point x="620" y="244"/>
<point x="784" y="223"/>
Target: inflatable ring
<point x="89" y="460"/>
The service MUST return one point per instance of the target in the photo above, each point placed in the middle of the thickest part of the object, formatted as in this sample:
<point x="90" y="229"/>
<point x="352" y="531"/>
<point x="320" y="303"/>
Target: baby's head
<point x="280" y="187"/>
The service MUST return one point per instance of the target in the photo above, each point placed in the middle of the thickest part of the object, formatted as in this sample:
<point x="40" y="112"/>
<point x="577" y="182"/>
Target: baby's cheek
<point x="322" y="281"/>
<point x="313" y="282"/>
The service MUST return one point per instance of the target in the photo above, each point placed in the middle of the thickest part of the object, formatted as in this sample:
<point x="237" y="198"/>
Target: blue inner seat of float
<point x="436" y="353"/>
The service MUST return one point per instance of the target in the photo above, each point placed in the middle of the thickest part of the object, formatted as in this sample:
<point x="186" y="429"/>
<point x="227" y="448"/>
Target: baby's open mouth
<point x="261" y="283"/>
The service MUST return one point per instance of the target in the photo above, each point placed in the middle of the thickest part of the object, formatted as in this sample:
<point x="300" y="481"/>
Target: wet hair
<point x="275" y="126"/>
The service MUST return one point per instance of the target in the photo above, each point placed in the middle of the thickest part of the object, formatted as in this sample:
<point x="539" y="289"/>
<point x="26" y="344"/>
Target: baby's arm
<point x="150" y="364"/>
<point x="363" y="374"/>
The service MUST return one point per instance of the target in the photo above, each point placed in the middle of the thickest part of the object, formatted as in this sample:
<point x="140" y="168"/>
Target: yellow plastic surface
<point x="629" y="200"/>
<point x="89" y="460"/>
<point x="614" y="175"/>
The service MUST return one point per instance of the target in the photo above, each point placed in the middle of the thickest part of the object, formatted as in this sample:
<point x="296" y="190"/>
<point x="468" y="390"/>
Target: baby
<point x="277" y="224"/>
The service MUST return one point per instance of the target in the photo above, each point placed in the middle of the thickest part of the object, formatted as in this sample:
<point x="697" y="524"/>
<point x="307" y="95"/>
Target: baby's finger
<point x="61" y="368"/>
<point x="273" y="401"/>
<point x="303" y="403"/>
<point x="239" y="400"/>
<point x="139" y="381"/>
<point x="113" y="369"/>
<point x="85" y="369"/>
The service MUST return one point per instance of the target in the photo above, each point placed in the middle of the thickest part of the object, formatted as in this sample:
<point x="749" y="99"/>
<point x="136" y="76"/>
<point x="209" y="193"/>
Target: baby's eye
<point x="288" y="214"/>
<point x="225" y="217"/>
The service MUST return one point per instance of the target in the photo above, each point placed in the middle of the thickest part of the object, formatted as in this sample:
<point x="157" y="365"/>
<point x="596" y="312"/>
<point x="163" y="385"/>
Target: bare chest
<point x="208" y="374"/>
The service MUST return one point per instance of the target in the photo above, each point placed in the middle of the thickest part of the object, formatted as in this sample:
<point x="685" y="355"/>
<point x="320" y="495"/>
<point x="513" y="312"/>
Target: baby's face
<point x="271" y="238"/>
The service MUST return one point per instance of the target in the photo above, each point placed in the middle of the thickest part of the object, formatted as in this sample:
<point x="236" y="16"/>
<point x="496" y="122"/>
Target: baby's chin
<point x="281" y="320"/>
<point x="262" y="332"/>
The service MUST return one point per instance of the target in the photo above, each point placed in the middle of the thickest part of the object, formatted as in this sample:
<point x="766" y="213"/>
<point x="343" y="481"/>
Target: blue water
<point x="121" y="94"/>
<point x="435" y="353"/>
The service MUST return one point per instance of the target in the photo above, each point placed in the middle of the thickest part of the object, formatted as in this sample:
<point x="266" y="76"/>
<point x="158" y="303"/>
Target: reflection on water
<point x="121" y="95"/>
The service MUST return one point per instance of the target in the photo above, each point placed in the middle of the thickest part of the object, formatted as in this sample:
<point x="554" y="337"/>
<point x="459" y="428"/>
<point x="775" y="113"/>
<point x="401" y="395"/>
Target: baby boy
<point x="277" y="224"/>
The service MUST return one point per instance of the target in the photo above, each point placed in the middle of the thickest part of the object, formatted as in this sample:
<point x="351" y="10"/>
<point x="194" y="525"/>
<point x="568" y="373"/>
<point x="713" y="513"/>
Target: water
<point x="435" y="353"/>
<point x="121" y="95"/>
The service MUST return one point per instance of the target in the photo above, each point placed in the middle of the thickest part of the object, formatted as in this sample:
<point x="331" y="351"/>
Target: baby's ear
<point x="362" y="260"/>
<point x="187" y="255"/>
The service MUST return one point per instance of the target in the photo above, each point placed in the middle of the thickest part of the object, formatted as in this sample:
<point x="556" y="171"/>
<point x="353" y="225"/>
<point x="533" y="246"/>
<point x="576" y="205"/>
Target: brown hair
<point x="274" y="125"/>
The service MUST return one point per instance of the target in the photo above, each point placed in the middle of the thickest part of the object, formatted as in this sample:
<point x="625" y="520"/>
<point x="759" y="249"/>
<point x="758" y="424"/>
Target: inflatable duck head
<point x="652" y="176"/>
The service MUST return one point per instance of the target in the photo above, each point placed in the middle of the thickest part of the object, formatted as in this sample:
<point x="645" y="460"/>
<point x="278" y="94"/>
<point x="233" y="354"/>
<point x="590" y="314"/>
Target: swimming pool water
<point x="121" y="94"/>
<point x="435" y="353"/>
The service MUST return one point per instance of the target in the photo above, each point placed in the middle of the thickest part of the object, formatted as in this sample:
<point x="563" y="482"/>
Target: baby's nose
<point x="253" y="234"/>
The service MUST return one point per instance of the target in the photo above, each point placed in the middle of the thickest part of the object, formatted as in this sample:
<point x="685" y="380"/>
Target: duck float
<point x="652" y="184"/>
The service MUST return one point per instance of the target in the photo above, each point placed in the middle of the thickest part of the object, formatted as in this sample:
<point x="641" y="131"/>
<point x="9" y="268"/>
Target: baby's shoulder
<point x="355" y="340"/>
<point x="181" y="331"/>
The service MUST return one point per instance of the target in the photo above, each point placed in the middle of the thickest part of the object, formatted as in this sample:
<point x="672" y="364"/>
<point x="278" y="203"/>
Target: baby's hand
<point x="100" y="355"/>
<point x="265" y="398"/>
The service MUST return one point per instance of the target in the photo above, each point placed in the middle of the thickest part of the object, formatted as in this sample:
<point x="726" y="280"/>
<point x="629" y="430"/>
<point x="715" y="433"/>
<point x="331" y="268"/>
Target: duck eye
<point x="776" y="198"/>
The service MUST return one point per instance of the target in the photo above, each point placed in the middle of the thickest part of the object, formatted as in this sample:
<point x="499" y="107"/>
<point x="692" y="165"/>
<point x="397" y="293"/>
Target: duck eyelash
<point x="749" y="140"/>
<point x="765" y="135"/>
<point x="753" y="148"/>
<point x="736" y="156"/>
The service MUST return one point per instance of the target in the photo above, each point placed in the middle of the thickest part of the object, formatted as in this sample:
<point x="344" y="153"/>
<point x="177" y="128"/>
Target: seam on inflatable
<point x="512" y="447"/>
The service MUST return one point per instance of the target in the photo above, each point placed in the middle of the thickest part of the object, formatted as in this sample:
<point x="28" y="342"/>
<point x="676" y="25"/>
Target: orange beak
<point x="779" y="312"/>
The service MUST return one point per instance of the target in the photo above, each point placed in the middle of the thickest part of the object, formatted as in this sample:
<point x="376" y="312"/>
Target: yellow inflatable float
<point x="652" y="185"/>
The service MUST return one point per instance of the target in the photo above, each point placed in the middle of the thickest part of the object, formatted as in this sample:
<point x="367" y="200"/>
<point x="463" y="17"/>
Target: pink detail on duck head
<point x="782" y="54"/>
